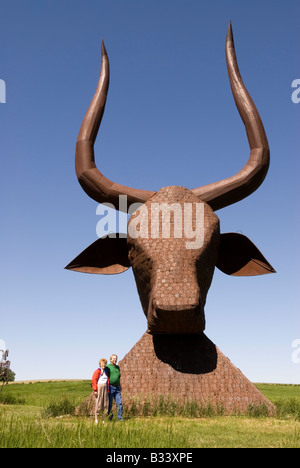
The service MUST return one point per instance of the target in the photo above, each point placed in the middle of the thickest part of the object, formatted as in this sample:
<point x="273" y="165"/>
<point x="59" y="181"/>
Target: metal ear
<point x="238" y="256"/>
<point x="106" y="256"/>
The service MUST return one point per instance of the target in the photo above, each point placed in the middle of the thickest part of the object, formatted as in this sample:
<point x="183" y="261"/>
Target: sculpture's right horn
<point x="95" y="184"/>
<point x="235" y="188"/>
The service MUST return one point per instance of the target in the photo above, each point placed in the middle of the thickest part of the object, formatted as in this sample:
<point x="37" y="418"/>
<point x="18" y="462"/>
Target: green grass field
<point x="40" y="415"/>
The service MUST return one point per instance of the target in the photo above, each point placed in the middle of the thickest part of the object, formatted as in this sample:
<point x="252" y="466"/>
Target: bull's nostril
<point x="178" y="320"/>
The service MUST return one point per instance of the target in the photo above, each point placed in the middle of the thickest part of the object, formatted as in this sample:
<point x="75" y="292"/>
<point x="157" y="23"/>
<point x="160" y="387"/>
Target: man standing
<point x="115" y="387"/>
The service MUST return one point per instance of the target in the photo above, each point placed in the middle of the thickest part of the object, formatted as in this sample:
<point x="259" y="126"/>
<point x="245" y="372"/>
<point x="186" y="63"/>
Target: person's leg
<point x="111" y="397"/>
<point x="106" y="405"/>
<point x="96" y="414"/>
<point x="119" y="404"/>
<point x="96" y="408"/>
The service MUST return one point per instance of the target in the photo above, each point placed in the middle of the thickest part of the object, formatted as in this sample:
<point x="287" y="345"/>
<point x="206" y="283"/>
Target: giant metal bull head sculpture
<point x="172" y="272"/>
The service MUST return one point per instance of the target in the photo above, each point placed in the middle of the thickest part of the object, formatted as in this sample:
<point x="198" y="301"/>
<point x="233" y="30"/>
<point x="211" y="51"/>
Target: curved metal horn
<point x="235" y="188"/>
<point x="90" y="178"/>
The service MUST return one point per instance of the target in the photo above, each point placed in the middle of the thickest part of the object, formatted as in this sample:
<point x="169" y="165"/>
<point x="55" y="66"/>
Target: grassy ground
<point x="33" y="415"/>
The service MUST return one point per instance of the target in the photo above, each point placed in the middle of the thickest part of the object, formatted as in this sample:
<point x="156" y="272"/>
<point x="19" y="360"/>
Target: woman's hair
<point x="103" y="360"/>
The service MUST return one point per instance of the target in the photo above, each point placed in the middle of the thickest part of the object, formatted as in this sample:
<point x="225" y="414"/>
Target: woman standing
<point x="100" y="384"/>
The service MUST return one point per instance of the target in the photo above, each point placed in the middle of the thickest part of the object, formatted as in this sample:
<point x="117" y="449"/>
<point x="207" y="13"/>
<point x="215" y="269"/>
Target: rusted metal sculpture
<point x="173" y="280"/>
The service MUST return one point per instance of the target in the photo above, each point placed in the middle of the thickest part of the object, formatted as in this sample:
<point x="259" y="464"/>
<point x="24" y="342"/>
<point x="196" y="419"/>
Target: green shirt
<point x="115" y="375"/>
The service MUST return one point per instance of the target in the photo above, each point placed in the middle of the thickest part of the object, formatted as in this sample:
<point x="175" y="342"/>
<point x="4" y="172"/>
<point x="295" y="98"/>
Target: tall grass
<point x="16" y="432"/>
<point x="167" y="432"/>
<point x="42" y="415"/>
<point x="59" y="408"/>
<point x="288" y="408"/>
<point x="8" y="399"/>
<point x="166" y="407"/>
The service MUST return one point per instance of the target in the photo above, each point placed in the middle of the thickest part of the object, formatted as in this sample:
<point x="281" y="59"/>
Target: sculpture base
<point x="187" y="368"/>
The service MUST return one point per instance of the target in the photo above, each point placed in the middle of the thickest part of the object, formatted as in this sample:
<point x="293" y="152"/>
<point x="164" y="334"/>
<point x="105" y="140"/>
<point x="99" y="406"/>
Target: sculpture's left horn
<point x="235" y="188"/>
<point x="90" y="178"/>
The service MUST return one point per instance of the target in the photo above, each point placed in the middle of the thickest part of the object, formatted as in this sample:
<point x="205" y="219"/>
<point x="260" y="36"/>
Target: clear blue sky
<point x="170" y="119"/>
